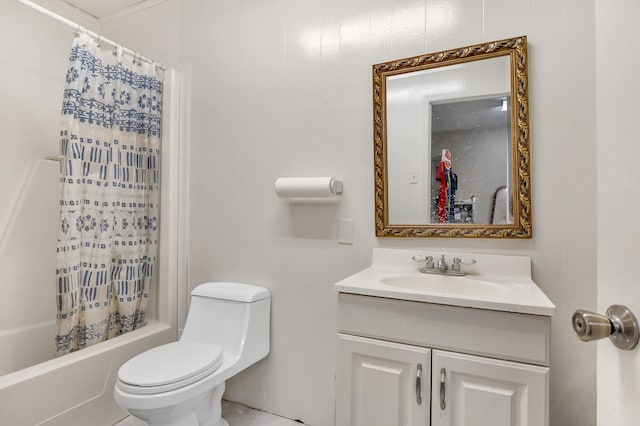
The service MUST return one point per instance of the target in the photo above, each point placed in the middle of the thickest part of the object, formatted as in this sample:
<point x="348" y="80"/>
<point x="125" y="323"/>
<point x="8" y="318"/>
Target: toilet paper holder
<point x="618" y="324"/>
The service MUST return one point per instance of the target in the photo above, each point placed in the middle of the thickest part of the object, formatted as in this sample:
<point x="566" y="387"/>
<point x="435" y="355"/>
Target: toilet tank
<point x="234" y="316"/>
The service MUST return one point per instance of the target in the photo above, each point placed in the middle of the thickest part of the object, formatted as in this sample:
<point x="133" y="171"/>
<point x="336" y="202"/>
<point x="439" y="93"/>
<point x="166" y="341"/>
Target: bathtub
<point x="77" y="389"/>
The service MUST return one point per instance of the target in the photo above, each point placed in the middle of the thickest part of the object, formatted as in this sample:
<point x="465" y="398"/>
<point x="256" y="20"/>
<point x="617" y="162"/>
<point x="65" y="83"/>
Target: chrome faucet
<point x="442" y="265"/>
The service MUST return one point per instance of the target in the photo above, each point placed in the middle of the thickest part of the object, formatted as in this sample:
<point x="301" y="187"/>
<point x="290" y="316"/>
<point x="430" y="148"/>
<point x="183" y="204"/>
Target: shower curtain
<point x="108" y="234"/>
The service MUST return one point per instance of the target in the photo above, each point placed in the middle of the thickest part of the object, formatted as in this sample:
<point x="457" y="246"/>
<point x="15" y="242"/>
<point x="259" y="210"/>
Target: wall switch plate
<point x="345" y="231"/>
<point x="413" y="176"/>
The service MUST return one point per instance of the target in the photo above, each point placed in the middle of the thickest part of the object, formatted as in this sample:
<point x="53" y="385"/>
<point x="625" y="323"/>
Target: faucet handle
<point x="465" y="261"/>
<point x="422" y="258"/>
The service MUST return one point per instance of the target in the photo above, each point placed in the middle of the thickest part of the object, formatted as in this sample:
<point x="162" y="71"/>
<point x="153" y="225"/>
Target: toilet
<point x="181" y="383"/>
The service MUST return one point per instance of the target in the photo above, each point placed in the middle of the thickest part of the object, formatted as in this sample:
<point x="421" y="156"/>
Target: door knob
<point x="618" y="323"/>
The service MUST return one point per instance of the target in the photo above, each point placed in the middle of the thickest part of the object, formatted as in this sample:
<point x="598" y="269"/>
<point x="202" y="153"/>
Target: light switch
<point x="345" y="231"/>
<point x="413" y="176"/>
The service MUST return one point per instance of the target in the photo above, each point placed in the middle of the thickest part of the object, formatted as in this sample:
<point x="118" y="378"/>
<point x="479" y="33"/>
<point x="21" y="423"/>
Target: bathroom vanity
<point x="429" y="349"/>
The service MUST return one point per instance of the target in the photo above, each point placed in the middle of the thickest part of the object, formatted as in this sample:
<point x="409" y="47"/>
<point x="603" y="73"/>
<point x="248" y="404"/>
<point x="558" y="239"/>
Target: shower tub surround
<point x="77" y="389"/>
<point x="29" y="235"/>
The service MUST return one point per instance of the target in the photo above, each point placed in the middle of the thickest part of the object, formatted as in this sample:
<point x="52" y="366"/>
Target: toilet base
<point x="205" y="410"/>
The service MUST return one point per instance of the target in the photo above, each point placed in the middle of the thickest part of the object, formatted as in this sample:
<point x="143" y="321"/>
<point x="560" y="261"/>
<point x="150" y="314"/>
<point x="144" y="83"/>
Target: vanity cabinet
<point x="471" y="390"/>
<point x="382" y="383"/>
<point x="409" y="363"/>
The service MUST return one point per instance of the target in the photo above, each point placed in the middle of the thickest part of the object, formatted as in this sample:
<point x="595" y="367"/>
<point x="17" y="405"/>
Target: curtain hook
<point x="86" y="31"/>
<point x="115" y="49"/>
<point x="98" y="38"/>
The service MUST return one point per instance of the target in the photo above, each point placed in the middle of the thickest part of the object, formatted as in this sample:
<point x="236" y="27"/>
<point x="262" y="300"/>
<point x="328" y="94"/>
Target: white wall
<point x="151" y="31"/>
<point x="283" y="88"/>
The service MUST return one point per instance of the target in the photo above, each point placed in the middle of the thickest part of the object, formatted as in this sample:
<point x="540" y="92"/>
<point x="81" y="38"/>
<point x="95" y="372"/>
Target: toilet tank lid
<point x="231" y="291"/>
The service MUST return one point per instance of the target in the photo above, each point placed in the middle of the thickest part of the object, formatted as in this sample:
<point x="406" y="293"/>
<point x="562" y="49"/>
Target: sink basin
<point x="442" y="284"/>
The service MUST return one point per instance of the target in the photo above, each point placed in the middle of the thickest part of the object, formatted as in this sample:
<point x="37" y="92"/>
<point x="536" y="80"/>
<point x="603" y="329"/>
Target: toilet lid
<point x="178" y="364"/>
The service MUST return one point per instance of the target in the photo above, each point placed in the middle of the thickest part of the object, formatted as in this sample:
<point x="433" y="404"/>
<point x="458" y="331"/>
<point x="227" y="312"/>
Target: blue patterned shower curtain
<point x="108" y="235"/>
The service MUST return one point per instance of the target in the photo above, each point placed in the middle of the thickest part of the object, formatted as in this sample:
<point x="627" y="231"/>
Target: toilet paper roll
<point x="307" y="187"/>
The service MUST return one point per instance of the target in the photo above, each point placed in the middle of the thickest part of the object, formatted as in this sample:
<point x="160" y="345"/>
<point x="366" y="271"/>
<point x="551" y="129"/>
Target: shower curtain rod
<point x="78" y="27"/>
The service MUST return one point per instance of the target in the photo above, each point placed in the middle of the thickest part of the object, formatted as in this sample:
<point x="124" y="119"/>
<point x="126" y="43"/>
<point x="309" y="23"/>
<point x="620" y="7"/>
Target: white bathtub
<point x="76" y="389"/>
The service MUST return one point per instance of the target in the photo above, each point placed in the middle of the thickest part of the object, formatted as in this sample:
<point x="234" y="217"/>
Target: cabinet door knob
<point x="443" y="391"/>
<point x="419" y="385"/>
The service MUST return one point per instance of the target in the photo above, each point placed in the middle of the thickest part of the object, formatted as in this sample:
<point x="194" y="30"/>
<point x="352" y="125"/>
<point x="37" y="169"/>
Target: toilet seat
<point x="169" y="367"/>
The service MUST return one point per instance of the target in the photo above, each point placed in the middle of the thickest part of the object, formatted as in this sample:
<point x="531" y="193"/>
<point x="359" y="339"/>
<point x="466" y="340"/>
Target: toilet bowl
<point x="181" y="383"/>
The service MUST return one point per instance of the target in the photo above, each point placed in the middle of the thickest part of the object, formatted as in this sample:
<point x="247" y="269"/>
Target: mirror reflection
<point x="470" y="161"/>
<point x="451" y="143"/>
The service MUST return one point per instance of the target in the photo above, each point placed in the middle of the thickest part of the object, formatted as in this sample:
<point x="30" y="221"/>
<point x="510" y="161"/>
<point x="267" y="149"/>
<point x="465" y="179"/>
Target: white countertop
<point x="496" y="282"/>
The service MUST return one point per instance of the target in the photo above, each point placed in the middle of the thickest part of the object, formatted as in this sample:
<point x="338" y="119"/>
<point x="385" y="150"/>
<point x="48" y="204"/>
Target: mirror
<point x="451" y="143"/>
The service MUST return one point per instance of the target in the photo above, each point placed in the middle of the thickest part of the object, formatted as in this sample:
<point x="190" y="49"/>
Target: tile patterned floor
<point x="236" y="414"/>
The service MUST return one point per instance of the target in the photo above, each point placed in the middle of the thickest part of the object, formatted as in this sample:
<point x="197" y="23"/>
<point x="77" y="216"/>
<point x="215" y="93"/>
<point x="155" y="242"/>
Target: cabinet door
<point x="474" y="391"/>
<point x="381" y="383"/>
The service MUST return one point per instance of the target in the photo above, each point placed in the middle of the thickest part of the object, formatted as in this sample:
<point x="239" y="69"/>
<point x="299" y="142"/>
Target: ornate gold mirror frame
<point x="520" y="226"/>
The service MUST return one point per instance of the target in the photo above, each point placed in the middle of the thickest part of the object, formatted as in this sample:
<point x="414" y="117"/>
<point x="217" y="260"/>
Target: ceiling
<point x="470" y="114"/>
<point x="100" y="8"/>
